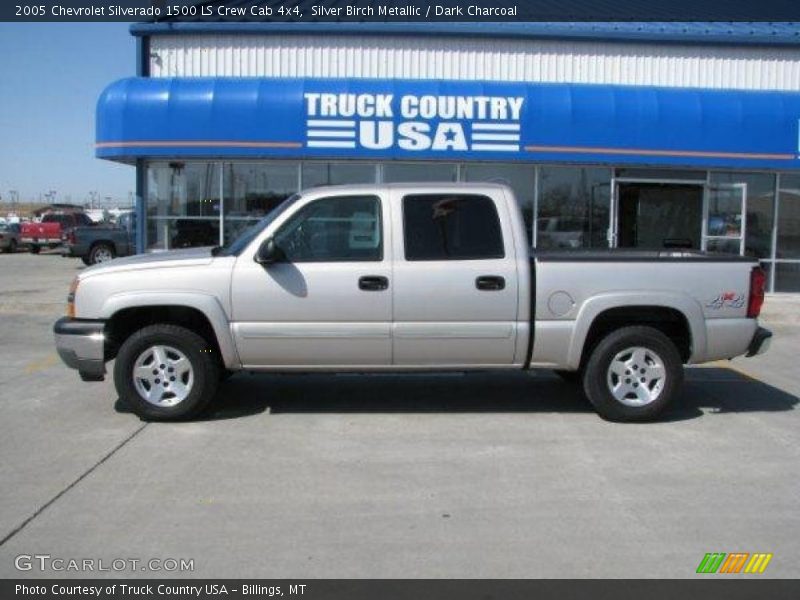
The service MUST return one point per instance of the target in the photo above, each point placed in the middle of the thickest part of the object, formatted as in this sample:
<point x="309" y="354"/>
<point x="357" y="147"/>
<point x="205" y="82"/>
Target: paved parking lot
<point x="391" y="476"/>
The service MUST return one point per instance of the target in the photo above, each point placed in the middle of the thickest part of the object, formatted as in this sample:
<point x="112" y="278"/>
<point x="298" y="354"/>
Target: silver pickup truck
<point x="407" y="277"/>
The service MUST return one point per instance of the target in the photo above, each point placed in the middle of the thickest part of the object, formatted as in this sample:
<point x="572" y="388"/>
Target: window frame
<point x="406" y="229"/>
<point x="376" y="198"/>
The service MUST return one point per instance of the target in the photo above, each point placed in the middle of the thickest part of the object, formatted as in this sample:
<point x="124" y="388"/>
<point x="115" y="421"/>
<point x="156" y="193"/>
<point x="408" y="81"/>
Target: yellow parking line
<point x="41" y="364"/>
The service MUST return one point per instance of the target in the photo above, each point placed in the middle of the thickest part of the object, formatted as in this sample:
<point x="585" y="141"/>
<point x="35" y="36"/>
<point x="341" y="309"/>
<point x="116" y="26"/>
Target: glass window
<point x="789" y="217"/>
<point x="344" y="228"/>
<point x="760" y="194"/>
<point x="573" y="207"/>
<point x="413" y="172"/>
<point x="183" y="204"/>
<point x="787" y="277"/>
<point x="175" y="232"/>
<point x="451" y="227"/>
<point x="661" y="174"/>
<point x="252" y="189"/>
<point x="183" y="189"/>
<point x="340" y="173"/>
<point x="520" y="178"/>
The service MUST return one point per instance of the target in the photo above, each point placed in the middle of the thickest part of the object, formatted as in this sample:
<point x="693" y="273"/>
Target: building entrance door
<point x="658" y="215"/>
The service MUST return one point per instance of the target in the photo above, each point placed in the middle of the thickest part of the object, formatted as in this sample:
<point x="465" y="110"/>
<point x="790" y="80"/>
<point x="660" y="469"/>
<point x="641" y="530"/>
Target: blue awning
<point x="447" y="120"/>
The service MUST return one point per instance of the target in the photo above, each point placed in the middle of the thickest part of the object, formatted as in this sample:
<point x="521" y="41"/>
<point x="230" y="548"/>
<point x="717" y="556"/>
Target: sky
<point x="50" y="78"/>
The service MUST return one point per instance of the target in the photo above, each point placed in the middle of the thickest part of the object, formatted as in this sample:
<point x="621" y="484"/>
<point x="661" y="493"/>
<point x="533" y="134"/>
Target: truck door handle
<point x="490" y="283"/>
<point x="373" y="283"/>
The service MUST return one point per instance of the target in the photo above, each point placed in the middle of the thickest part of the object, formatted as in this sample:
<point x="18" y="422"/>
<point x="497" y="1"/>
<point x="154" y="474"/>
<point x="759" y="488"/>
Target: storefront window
<point x="394" y="172"/>
<point x="339" y="173"/>
<point x="789" y="217"/>
<point x="252" y="189"/>
<point x="760" y="193"/>
<point x="183" y="204"/>
<point x="520" y="178"/>
<point x="573" y="207"/>
<point x="176" y="232"/>
<point x="787" y="277"/>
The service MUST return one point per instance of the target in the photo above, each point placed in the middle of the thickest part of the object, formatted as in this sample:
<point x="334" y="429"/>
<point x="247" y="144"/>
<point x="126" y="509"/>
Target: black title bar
<point x="301" y="11"/>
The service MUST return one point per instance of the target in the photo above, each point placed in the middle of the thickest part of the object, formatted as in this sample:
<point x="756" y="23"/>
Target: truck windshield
<point x="235" y="247"/>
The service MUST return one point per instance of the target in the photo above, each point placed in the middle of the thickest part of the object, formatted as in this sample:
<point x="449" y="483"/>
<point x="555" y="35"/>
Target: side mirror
<point x="269" y="253"/>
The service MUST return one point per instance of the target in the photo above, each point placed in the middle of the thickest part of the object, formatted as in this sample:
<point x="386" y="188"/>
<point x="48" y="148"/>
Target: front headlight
<point x="73" y="288"/>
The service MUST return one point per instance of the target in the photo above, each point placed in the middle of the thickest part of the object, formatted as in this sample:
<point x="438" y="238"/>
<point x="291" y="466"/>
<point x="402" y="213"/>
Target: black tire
<point x="12" y="246"/>
<point x="85" y="260"/>
<point x="34" y="249"/>
<point x="569" y="376"/>
<point x="596" y="379"/>
<point x="101" y="249"/>
<point x="204" y="364"/>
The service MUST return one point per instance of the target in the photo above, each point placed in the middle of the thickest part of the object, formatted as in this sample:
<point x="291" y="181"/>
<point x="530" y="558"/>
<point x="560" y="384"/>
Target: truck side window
<point x="343" y="228"/>
<point x="451" y="227"/>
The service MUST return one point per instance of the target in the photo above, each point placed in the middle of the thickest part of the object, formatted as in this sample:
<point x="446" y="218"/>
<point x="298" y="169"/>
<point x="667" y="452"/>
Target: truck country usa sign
<point x="413" y="123"/>
<point x="398" y="119"/>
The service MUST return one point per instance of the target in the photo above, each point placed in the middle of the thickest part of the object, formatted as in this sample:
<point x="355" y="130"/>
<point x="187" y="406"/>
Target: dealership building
<point x="656" y="135"/>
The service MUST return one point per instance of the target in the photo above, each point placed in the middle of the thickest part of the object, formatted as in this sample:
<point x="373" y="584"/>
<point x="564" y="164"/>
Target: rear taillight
<point x="758" y="280"/>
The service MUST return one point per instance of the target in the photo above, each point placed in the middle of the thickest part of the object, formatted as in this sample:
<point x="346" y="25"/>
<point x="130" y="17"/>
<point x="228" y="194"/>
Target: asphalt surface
<point x="389" y="476"/>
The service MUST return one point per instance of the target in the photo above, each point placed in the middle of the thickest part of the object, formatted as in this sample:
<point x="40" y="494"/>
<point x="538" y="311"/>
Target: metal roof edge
<point x="699" y="33"/>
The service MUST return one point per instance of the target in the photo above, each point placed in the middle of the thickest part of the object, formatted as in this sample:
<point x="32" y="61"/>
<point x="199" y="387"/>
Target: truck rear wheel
<point x="166" y="372"/>
<point x="633" y="374"/>
<point x="101" y="253"/>
<point x="34" y="249"/>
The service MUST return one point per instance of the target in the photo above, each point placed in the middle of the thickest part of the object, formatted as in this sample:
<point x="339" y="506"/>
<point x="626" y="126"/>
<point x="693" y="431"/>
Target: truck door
<point x="328" y="302"/>
<point x="455" y="280"/>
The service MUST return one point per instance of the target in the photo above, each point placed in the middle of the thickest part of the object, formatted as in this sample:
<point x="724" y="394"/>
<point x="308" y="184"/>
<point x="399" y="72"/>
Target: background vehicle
<point x="9" y="237"/>
<point x="407" y="277"/>
<point x="47" y="232"/>
<point x="100" y="243"/>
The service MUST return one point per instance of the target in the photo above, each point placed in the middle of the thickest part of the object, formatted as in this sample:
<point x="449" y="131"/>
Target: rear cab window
<point x="451" y="227"/>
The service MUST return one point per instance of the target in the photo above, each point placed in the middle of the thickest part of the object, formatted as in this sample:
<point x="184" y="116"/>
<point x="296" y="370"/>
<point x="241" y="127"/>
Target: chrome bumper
<point x="81" y="345"/>
<point x="760" y="343"/>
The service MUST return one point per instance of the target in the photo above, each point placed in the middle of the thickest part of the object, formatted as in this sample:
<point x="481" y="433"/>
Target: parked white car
<point x="407" y="278"/>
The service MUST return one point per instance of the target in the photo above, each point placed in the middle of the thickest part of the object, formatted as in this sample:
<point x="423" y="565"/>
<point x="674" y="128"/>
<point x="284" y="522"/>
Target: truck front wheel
<point x="166" y="372"/>
<point x="632" y="374"/>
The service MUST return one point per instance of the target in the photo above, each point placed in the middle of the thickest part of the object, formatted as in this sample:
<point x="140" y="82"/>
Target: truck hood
<point x="188" y="257"/>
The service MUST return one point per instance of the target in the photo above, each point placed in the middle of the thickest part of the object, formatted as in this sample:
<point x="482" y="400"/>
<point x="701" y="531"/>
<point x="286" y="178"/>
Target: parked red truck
<point x="47" y="233"/>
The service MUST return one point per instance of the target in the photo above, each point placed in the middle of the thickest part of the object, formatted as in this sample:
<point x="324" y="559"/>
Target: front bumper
<point x="760" y="343"/>
<point x="81" y="345"/>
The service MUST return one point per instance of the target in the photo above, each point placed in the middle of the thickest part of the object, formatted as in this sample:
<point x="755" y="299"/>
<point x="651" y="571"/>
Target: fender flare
<point x="594" y="306"/>
<point x="206" y="303"/>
